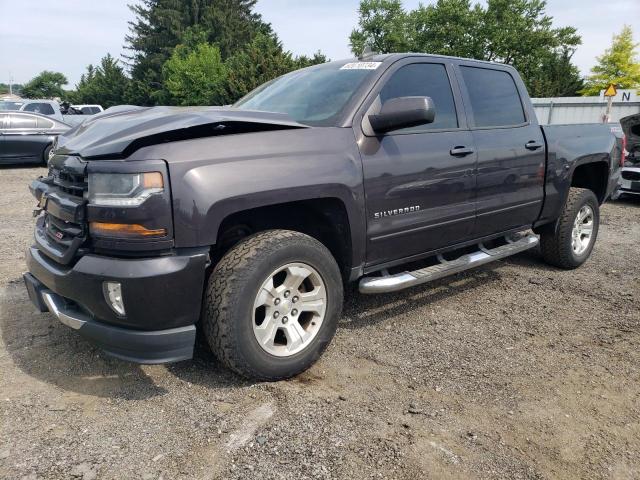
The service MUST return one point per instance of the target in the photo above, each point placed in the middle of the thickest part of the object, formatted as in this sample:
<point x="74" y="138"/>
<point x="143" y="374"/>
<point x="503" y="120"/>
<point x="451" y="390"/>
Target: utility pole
<point x="609" y="93"/>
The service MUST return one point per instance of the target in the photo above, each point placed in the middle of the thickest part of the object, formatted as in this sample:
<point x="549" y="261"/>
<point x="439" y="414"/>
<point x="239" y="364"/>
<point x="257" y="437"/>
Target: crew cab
<point x="246" y="222"/>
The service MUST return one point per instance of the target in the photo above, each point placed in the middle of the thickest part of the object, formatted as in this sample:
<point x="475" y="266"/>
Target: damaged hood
<point x="631" y="128"/>
<point x="120" y="131"/>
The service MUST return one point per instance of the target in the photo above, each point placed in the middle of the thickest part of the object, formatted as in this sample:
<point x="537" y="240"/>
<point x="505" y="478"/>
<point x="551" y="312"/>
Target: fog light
<point x="113" y="296"/>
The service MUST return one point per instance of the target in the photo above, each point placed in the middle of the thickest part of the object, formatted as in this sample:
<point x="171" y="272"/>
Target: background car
<point x="89" y="109"/>
<point x="630" y="174"/>
<point x="52" y="109"/>
<point x="27" y="137"/>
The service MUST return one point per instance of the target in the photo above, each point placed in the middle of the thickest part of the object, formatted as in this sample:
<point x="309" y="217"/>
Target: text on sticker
<point x="361" y="66"/>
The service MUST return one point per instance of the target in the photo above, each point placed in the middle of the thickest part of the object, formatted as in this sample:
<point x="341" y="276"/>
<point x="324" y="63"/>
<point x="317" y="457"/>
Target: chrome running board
<point x="393" y="283"/>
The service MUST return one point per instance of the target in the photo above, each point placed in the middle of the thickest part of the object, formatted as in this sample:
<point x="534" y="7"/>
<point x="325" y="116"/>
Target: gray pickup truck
<point x="246" y="222"/>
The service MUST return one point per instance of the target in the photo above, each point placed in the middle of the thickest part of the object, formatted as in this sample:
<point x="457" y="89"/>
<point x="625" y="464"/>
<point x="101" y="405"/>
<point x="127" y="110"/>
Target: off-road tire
<point x="227" y="319"/>
<point x="556" y="245"/>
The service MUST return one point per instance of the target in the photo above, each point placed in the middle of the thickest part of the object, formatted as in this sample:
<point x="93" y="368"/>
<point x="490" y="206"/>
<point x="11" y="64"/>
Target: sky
<point x="68" y="35"/>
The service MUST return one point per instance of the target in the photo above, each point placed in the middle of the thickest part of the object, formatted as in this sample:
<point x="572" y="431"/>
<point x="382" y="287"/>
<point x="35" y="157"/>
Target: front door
<point x="419" y="182"/>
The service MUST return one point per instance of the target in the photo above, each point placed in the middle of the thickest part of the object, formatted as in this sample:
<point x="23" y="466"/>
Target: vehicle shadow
<point x="362" y="310"/>
<point x="632" y="201"/>
<point x="44" y="349"/>
<point x="50" y="352"/>
<point x="21" y="166"/>
<point x="205" y="370"/>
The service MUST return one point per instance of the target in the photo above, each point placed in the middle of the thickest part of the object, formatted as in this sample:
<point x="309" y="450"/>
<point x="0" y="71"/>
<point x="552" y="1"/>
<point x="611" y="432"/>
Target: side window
<point x="41" y="108"/>
<point x="494" y="97"/>
<point x="44" y="123"/>
<point x="424" y="80"/>
<point x="21" y="122"/>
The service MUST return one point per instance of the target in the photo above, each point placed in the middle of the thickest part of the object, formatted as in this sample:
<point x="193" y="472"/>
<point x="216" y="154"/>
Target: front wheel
<point x="272" y="305"/>
<point x="571" y="244"/>
<point x="45" y="155"/>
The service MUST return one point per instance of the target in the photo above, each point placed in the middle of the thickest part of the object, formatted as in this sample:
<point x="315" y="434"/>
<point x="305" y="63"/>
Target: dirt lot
<point x="515" y="370"/>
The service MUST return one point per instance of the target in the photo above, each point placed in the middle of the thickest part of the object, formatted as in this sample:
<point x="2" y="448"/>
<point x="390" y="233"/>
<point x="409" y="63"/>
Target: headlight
<point x="123" y="189"/>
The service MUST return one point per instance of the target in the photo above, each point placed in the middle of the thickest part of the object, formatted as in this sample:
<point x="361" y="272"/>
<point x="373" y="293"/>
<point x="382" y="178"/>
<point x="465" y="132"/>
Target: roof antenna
<point x="367" y="52"/>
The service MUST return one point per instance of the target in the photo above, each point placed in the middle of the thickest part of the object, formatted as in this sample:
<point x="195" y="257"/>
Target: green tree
<point x="515" y="32"/>
<point x="261" y="60"/>
<point x="196" y="76"/>
<point x="46" y="84"/>
<point x="556" y="76"/>
<point x="382" y="26"/>
<point x="16" y="88"/>
<point x="618" y="65"/>
<point x="160" y="25"/>
<point x="304" y="61"/>
<point x="105" y="85"/>
<point x="449" y="27"/>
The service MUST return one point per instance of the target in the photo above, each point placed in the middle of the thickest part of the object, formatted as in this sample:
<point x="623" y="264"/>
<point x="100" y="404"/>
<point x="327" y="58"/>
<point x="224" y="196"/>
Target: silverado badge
<point x="396" y="211"/>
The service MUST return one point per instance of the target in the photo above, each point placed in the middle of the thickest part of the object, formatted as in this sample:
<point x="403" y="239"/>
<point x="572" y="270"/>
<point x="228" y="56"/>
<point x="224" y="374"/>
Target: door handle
<point x="533" y="145"/>
<point x="461" y="151"/>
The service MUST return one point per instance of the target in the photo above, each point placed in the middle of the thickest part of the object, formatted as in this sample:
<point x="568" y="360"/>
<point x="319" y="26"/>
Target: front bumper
<point x="162" y="298"/>
<point x="629" y="181"/>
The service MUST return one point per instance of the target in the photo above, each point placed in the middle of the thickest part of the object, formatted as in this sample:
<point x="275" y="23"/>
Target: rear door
<point x="22" y="140"/>
<point x="419" y="195"/>
<point x="509" y="145"/>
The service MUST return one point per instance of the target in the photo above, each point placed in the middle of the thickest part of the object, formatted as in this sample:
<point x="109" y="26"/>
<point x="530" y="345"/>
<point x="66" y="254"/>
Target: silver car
<point x="27" y="137"/>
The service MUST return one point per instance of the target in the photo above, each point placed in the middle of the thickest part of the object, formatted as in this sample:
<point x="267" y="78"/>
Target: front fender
<point x="212" y="178"/>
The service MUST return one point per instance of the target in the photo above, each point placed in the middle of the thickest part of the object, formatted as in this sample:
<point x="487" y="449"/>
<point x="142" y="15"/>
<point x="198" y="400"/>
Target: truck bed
<point x="569" y="146"/>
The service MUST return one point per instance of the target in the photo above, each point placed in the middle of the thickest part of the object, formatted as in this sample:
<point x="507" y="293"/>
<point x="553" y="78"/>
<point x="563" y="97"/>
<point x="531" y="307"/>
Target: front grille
<point x="631" y="175"/>
<point x="63" y="228"/>
<point x="62" y="232"/>
<point x="73" y="184"/>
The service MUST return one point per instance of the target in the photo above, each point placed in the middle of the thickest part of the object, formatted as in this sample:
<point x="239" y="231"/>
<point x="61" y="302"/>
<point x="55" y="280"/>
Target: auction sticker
<point x="361" y="66"/>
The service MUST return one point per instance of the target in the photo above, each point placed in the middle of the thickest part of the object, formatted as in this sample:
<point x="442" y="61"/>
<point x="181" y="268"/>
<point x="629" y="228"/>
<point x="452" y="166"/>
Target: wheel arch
<point x="326" y="219"/>
<point x="592" y="176"/>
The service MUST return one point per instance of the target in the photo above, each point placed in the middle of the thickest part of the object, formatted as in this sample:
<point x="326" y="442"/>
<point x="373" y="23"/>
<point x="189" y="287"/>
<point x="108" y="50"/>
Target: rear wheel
<point x="272" y="305"/>
<point x="571" y="244"/>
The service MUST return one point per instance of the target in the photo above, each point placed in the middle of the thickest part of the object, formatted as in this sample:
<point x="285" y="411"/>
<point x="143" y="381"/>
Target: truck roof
<point x="398" y="56"/>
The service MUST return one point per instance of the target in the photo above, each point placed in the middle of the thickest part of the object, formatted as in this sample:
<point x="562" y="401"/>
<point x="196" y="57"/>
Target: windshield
<point x="314" y="96"/>
<point x="8" y="105"/>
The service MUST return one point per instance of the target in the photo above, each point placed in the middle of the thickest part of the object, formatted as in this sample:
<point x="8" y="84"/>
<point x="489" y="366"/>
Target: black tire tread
<point x="229" y="275"/>
<point x="553" y="245"/>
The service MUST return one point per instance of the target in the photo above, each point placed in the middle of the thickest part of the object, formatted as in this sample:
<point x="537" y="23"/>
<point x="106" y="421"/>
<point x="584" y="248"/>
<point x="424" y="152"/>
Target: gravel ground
<point x="514" y="370"/>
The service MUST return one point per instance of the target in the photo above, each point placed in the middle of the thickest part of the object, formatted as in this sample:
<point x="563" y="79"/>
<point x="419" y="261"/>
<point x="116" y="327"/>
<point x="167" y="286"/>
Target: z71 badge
<point x="396" y="211"/>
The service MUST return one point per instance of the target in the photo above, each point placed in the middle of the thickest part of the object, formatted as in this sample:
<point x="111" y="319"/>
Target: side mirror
<point x="403" y="112"/>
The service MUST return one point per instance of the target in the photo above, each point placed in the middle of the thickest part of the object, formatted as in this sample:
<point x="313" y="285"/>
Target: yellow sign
<point x="611" y="91"/>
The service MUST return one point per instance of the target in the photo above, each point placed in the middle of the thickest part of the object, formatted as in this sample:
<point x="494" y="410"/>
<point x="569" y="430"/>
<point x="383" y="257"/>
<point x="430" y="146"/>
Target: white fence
<point x="563" y="110"/>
